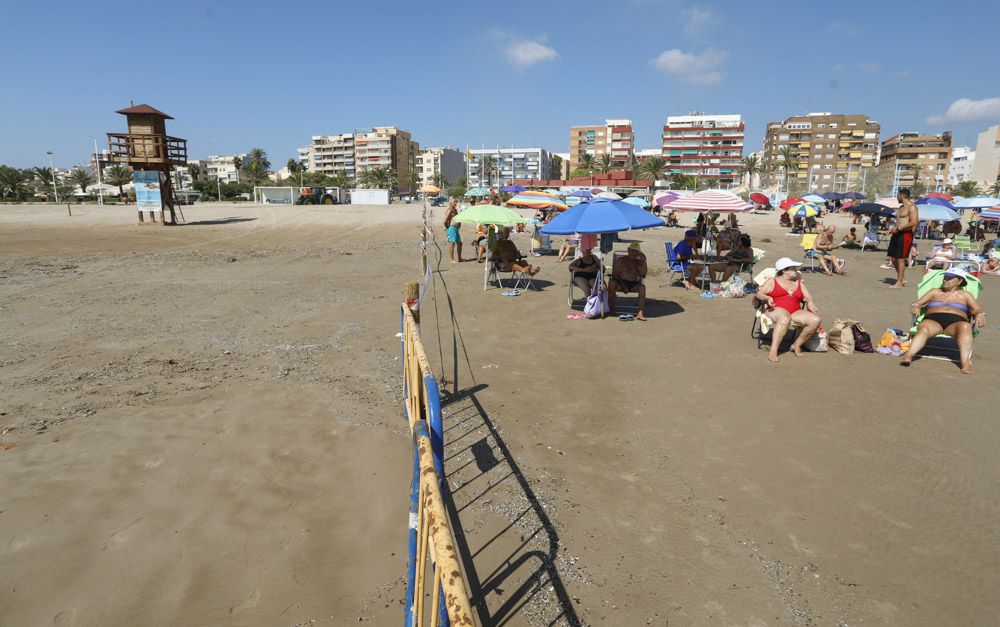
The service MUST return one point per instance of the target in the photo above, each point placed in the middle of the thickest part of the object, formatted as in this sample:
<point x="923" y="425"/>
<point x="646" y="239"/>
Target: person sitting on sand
<point x="784" y="220"/>
<point x="685" y="252"/>
<point x="585" y="269"/>
<point x="823" y="249"/>
<point x="851" y="239"/>
<point x="740" y="254"/>
<point x="672" y="219"/>
<point x="942" y="255"/>
<point x="626" y="276"/>
<point x="992" y="266"/>
<point x="509" y="257"/>
<point x="950" y="310"/>
<point x="783" y="297"/>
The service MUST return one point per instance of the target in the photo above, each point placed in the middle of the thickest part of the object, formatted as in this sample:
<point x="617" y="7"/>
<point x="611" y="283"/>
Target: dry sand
<point x="206" y="428"/>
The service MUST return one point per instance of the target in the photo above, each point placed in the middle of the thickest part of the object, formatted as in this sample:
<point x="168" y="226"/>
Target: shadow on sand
<point x="218" y="221"/>
<point x="531" y="568"/>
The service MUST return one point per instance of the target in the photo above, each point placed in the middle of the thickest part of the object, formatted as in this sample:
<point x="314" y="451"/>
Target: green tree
<point x="412" y="180"/>
<point x="709" y="183"/>
<point x="994" y="189"/>
<point x="341" y="180"/>
<point x="789" y="162"/>
<point x="967" y="189"/>
<point x="12" y="182"/>
<point x="750" y="168"/>
<point x="119" y="175"/>
<point x="238" y="164"/>
<point x="81" y="178"/>
<point x="257" y="155"/>
<point x="651" y="168"/>
<point x="440" y="181"/>
<point x="296" y="168"/>
<point x="919" y="186"/>
<point x="459" y="188"/>
<point x="586" y="162"/>
<point x="683" y="181"/>
<point x="256" y="172"/>
<point x="603" y="164"/>
<point x="487" y="166"/>
<point x="194" y="170"/>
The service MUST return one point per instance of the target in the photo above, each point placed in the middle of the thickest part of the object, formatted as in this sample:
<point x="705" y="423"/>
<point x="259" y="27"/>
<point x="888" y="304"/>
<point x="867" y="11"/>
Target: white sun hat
<point x="785" y="263"/>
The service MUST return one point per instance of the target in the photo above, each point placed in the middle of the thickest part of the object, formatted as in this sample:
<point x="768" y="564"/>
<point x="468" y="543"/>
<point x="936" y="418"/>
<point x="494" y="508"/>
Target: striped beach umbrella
<point x="537" y="200"/>
<point x="711" y="200"/>
<point x="804" y="209"/>
<point x="477" y="191"/>
<point x="990" y="214"/>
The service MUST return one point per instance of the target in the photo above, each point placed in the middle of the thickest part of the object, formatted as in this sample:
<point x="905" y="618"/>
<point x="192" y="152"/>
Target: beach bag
<point x="597" y="302"/>
<point x="733" y="288"/>
<point x="862" y="341"/>
<point x="817" y="343"/>
<point x="841" y="336"/>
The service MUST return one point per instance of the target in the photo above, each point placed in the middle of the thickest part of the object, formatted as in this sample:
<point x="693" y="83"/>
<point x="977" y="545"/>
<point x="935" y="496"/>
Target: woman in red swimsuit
<point x="784" y="296"/>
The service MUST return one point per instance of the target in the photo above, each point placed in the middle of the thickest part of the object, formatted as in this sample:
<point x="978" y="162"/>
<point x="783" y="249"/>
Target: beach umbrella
<point x="537" y="200"/>
<point x="609" y="196"/>
<point x="513" y="189"/>
<point x="804" y="209"/>
<point x="430" y="189"/>
<point x="581" y="193"/>
<point x="888" y="201"/>
<point x="976" y="202"/>
<point x="638" y="193"/>
<point x="941" y="202"/>
<point x="872" y="208"/>
<point x="477" y="191"/>
<point x="832" y="196"/>
<point x="814" y="198"/>
<point x="711" y="201"/>
<point x="990" y="214"/>
<point x="933" y="211"/>
<point x="947" y="197"/>
<point x="788" y="202"/>
<point x="601" y="215"/>
<point x="760" y="199"/>
<point x="638" y="202"/>
<point x="667" y="198"/>
<point x="595" y="190"/>
<point x="489" y="214"/>
<point x="854" y="195"/>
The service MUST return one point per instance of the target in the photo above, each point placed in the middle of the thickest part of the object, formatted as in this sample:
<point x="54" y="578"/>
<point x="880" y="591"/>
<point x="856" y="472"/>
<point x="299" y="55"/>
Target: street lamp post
<point x="55" y="190"/>
<point x="97" y="166"/>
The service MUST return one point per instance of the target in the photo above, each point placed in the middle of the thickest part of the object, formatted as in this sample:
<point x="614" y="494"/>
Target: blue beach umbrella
<point x="873" y="208"/>
<point x="601" y="215"/>
<point x="813" y="198"/>
<point x="803" y="209"/>
<point x="977" y="202"/>
<point x="513" y="189"/>
<point x="638" y="202"/>
<point x="936" y="209"/>
<point x="581" y="193"/>
<point x="933" y="200"/>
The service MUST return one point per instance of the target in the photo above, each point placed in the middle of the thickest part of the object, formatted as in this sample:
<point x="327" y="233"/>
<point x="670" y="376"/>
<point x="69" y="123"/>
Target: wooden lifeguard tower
<point x="147" y="148"/>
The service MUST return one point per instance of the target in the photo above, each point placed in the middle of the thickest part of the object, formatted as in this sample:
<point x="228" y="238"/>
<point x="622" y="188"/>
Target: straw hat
<point x="634" y="246"/>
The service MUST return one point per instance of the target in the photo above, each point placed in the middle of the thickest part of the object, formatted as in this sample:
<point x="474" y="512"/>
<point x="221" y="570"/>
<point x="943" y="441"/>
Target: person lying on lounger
<point x="950" y="310"/>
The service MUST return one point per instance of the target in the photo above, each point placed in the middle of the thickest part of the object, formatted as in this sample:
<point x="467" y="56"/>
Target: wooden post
<point x="411" y="293"/>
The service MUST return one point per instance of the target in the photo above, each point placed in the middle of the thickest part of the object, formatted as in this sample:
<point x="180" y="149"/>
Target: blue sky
<point x="243" y="74"/>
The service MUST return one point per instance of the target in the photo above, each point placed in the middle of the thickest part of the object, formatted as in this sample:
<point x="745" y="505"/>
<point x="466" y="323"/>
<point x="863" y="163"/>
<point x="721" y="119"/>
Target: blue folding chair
<point x="676" y="266"/>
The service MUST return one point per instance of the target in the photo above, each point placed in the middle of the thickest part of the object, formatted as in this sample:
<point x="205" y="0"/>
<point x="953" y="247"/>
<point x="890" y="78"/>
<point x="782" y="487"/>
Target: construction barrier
<point x="430" y="533"/>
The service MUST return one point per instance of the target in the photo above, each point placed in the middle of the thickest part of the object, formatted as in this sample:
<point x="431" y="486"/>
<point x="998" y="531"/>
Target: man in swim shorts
<point x="902" y="236"/>
<point x="454" y="237"/>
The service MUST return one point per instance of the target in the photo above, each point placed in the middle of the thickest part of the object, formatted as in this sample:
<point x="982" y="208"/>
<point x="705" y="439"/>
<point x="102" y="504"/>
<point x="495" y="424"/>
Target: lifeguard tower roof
<point x="146" y="109"/>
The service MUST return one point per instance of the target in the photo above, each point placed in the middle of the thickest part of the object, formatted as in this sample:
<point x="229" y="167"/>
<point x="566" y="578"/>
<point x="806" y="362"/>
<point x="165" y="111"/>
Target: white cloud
<point x="526" y="52"/>
<point x="869" y="67"/>
<point x="697" y="18"/>
<point x="902" y="74"/>
<point x="697" y="69"/>
<point x="966" y="110"/>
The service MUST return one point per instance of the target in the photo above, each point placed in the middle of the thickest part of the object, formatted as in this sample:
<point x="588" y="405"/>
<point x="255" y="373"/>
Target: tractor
<point x="319" y="196"/>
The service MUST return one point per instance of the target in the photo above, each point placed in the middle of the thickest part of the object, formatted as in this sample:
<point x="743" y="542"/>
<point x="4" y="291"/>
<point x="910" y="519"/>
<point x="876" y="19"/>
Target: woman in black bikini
<point x="585" y="270"/>
<point x="950" y="310"/>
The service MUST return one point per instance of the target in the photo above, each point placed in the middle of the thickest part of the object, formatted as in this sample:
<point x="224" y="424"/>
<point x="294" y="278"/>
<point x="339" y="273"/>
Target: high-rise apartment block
<point x="615" y="138"/>
<point x="914" y="158"/>
<point x="704" y="146"/>
<point x="830" y="151"/>
<point x="509" y="164"/>
<point x="448" y="163"/>
<point x="364" y="149"/>
<point x="986" y="169"/>
<point x="962" y="159"/>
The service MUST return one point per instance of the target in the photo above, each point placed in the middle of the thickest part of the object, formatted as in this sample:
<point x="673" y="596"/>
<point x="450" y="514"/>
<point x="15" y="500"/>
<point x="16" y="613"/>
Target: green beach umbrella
<point x="489" y="214"/>
<point x="477" y="191"/>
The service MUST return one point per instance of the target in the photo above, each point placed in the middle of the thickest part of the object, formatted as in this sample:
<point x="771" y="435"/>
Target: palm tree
<point x="81" y="178"/>
<point x="603" y="165"/>
<point x="257" y="155"/>
<point x="683" y="181"/>
<point x="709" y="183"/>
<point x="42" y="175"/>
<point x="11" y="181"/>
<point x="918" y="187"/>
<point x="295" y="167"/>
<point x="256" y="172"/>
<point x="651" y="168"/>
<point x="238" y="164"/>
<point x="486" y="169"/>
<point x="119" y="175"/>
<point x="967" y="189"/>
<point x="789" y="162"/>
<point x="440" y="181"/>
<point x="413" y="180"/>
<point x="750" y="167"/>
<point x="341" y="180"/>
<point x="994" y="189"/>
<point x="586" y="162"/>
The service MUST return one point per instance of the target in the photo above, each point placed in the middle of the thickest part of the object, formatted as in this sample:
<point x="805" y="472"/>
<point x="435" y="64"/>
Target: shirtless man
<point x="902" y="236"/>
<point x="454" y="237"/>
<point x="824" y="247"/>
<point x="626" y="276"/>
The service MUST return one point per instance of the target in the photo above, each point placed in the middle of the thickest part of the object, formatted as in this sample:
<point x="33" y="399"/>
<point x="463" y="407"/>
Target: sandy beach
<point x="203" y="426"/>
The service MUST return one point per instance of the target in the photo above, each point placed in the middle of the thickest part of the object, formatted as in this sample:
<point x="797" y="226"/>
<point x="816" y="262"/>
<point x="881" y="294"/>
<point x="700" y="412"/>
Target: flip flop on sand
<point x="626" y="317"/>
<point x="511" y="293"/>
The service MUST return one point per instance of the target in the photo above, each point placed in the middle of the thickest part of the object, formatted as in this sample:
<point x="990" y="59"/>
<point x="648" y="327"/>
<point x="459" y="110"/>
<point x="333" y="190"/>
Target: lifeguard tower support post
<point x="147" y="148"/>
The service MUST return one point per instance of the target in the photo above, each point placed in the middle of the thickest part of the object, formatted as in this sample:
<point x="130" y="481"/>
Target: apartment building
<point x="704" y="146"/>
<point x="615" y="138"/>
<point x="962" y="158"/>
<point x="831" y="151"/>
<point x="220" y="166"/>
<point x="559" y="165"/>
<point x="986" y="169"/>
<point x="448" y="163"/>
<point x="509" y="164"/>
<point x="914" y="158"/>
<point x="361" y="150"/>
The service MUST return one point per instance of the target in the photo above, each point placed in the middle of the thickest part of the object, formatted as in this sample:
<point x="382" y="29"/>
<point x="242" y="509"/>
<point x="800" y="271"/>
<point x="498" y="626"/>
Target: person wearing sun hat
<point x="627" y="275"/>
<point x="948" y="309"/>
<point x="783" y="297"/>
<point x="942" y="255"/>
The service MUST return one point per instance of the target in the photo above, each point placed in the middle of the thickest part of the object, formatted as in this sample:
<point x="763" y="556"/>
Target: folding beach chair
<point x="497" y="274"/>
<point x="675" y="266"/>
<point x="932" y="280"/>
<point x="808" y="245"/>
<point x="871" y="239"/>
<point x="964" y="244"/>
<point x="618" y="254"/>
<point x="570" y="300"/>
<point x="762" y="326"/>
